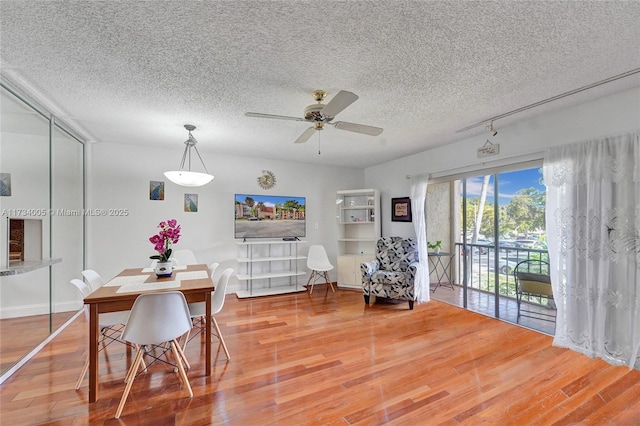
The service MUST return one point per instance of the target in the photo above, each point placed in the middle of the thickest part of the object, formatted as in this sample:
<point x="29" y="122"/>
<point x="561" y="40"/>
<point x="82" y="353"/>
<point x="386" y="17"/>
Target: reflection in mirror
<point x="36" y="302"/>
<point x="25" y="240"/>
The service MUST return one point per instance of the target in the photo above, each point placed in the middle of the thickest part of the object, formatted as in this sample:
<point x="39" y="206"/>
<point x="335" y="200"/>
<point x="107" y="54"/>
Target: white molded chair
<point x="94" y="279"/>
<point x="197" y="309"/>
<point x="156" y="319"/>
<point x="212" y="269"/>
<point x="106" y="322"/>
<point x="320" y="266"/>
<point x="184" y="257"/>
<point x="199" y="306"/>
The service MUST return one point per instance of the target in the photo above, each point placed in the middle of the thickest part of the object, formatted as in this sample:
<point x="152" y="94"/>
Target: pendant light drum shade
<point x="184" y="177"/>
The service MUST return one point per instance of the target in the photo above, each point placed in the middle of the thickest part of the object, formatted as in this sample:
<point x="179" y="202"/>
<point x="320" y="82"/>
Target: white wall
<point x="119" y="176"/>
<point x="611" y="115"/>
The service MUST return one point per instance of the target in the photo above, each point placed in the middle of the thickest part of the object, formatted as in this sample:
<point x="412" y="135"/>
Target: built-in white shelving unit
<point x="358" y="214"/>
<point x="270" y="267"/>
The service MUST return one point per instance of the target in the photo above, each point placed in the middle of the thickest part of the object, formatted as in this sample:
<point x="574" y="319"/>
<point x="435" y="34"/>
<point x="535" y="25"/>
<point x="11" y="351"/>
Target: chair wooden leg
<point x="312" y="275"/>
<point x="186" y="340"/>
<point x="224" y="345"/>
<point x="83" y="372"/>
<point x="329" y="283"/>
<point x="183" y="375"/>
<point x="143" y="364"/>
<point x="132" y="375"/>
<point x="182" y="355"/>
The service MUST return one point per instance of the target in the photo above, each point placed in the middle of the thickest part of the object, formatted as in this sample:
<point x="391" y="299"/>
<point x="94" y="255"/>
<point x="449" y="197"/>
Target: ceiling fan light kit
<point x="187" y="177"/>
<point x="320" y="114"/>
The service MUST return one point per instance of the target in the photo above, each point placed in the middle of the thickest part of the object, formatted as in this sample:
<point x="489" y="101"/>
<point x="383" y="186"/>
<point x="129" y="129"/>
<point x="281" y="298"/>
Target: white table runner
<point x="124" y="280"/>
<point x="129" y="288"/>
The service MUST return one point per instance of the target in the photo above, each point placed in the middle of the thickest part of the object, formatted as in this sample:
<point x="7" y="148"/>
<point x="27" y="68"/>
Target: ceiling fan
<point x="320" y="114"/>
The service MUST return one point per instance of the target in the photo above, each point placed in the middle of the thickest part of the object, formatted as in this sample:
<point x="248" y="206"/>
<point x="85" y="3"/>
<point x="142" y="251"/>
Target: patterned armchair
<point x="393" y="272"/>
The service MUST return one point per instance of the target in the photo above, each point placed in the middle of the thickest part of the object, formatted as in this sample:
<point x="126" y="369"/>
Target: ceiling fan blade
<point x="306" y="135"/>
<point x="277" y="117"/>
<point x="358" y="128"/>
<point x="339" y="102"/>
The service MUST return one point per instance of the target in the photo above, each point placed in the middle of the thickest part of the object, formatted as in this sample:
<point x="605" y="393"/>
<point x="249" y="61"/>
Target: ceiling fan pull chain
<point x="318" y="143"/>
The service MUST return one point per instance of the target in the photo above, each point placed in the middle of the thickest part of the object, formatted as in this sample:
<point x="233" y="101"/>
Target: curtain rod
<point x="554" y="98"/>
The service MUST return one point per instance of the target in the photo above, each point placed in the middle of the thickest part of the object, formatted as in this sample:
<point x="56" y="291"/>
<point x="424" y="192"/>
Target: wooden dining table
<point x="119" y="294"/>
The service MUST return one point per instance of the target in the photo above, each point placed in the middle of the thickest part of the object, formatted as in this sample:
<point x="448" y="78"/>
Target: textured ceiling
<point x="137" y="71"/>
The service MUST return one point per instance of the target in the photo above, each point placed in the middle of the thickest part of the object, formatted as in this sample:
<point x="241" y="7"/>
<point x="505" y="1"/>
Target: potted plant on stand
<point x="435" y="246"/>
<point x="169" y="234"/>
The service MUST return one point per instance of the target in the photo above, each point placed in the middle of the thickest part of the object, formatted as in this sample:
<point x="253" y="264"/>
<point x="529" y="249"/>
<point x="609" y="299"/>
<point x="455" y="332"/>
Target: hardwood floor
<point x="327" y="359"/>
<point x="18" y="336"/>
<point x="484" y="303"/>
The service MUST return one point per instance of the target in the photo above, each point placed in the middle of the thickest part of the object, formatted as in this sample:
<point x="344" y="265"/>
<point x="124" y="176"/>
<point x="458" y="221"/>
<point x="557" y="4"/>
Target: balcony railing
<point x="482" y="268"/>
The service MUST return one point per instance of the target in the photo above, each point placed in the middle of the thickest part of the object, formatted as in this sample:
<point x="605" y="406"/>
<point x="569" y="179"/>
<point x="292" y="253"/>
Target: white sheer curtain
<point x="593" y="231"/>
<point x="418" y="208"/>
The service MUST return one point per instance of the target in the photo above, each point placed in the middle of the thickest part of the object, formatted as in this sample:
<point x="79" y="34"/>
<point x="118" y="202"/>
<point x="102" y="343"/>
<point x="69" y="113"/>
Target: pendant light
<point x="184" y="177"/>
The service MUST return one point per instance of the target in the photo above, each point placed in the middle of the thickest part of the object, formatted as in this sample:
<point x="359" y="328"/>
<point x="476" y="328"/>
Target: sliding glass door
<point x="499" y="221"/>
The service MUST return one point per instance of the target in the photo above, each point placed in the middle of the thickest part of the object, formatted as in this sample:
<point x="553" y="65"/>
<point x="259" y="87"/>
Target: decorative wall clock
<point x="267" y="179"/>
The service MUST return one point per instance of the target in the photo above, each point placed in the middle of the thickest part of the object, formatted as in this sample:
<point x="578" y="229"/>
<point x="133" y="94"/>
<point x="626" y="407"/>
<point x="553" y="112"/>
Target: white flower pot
<point x="164" y="269"/>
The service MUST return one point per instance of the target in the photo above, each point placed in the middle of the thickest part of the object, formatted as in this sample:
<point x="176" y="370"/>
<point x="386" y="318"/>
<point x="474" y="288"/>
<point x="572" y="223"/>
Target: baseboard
<point x="39" y="309"/>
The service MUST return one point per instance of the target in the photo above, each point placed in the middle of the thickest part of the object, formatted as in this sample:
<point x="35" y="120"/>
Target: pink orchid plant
<point x="169" y="234"/>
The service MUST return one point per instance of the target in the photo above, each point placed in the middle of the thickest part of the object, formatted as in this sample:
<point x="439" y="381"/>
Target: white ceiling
<point x="137" y="71"/>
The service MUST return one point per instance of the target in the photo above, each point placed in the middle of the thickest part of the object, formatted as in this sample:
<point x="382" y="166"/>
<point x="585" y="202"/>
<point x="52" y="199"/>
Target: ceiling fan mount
<point x="320" y="114"/>
<point x="319" y="95"/>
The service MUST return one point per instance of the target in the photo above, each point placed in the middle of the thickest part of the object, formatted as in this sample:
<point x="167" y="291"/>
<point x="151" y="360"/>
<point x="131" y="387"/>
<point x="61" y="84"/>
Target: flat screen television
<point x="269" y="216"/>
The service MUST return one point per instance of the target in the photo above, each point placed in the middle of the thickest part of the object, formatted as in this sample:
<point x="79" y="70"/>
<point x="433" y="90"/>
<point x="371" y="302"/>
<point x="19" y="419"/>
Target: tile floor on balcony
<point x="483" y="303"/>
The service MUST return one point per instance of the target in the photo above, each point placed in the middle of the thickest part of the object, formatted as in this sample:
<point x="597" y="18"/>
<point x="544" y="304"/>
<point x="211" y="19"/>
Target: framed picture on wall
<point x="156" y="190"/>
<point x="5" y="184"/>
<point x="401" y="209"/>
<point x="191" y="203"/>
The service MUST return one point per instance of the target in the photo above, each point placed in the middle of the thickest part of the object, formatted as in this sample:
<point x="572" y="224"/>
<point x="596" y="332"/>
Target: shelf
<point x="268" y="259"/>
<point x="358" y="218"/>
<point x="266" y="275"/>
<point x="261" y="276"/>
<point x="21" y="267"/>
<point x="364" y="207"/>
<point x="242" y="294"/>
<point x="356" y="192"/>
<point x="265" y="242"/>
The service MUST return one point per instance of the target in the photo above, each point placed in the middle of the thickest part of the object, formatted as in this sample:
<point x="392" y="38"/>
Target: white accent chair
<point x="156" y="319"/>
<point x="94" y="279"/>
<point x="318" y="262"/>
<point x="197" y="309"/>
<point x="184" y="257"/>
<point x="106" y="321"/>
